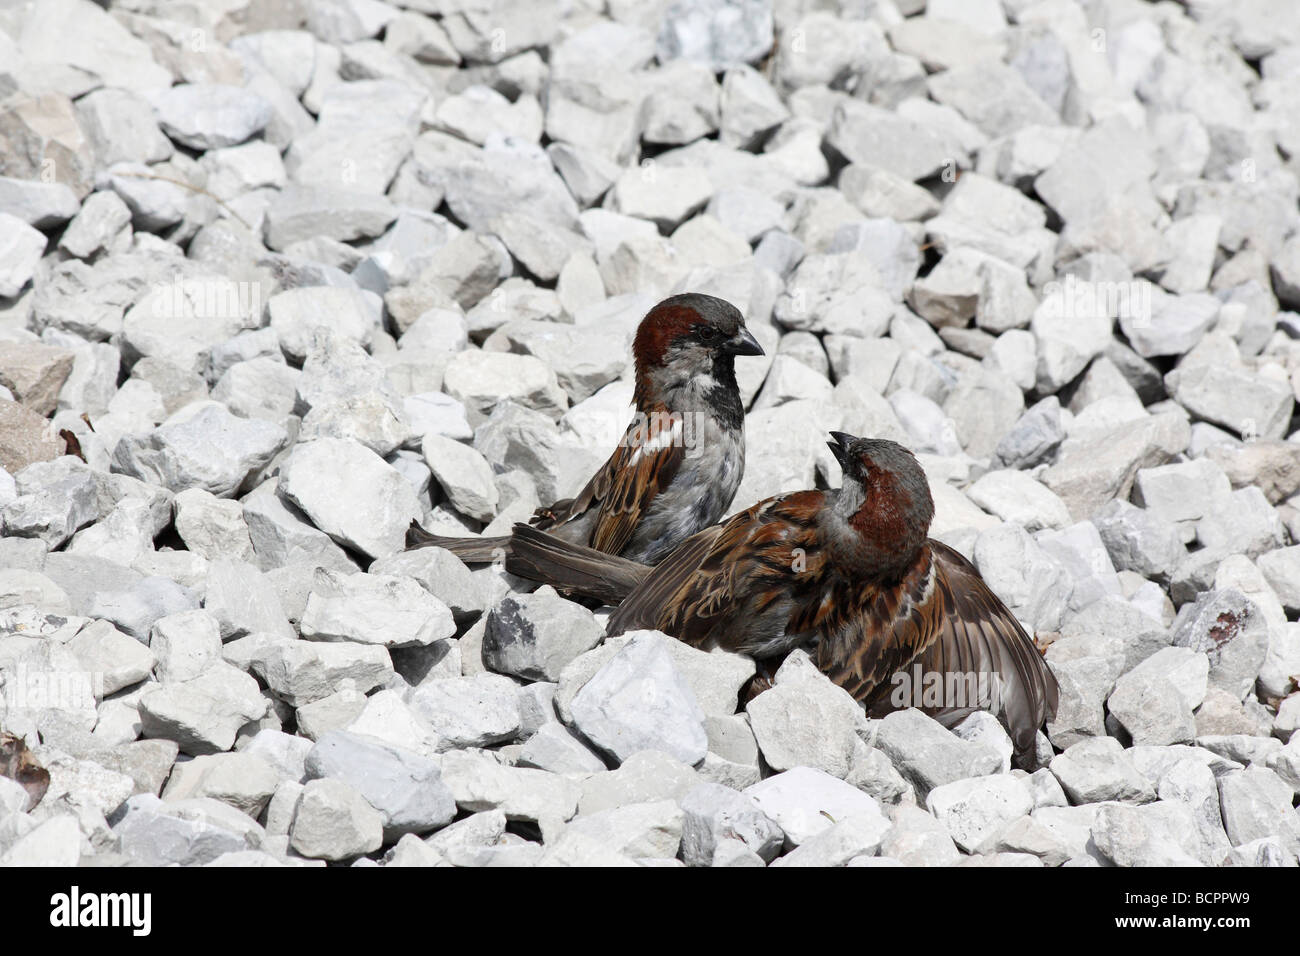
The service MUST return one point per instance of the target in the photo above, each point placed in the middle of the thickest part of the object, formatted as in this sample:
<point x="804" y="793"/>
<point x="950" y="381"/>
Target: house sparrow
<point x="849" y="574"/>
<point x="681" y="459"/>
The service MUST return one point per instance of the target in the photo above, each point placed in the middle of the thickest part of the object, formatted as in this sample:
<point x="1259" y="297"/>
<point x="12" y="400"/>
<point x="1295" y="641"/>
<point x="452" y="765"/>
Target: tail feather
<point x="539" y="556"/>
<point x="469" y="550"/>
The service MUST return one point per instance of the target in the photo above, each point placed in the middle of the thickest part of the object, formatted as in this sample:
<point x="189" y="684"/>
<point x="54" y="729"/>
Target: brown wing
<point x="741" y="572"/>
<point x="986" y="659"/>
<point x="572" y="568"/>
<point x="642" y="465"/>
<point x="650" y="604"/>
<point x="876" y="630"/>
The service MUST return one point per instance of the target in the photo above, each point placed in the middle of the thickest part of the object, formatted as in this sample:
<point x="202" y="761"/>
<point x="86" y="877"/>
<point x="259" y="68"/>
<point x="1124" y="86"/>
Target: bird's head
<point x="691" y="336"/>
<point x="884" y="498"/>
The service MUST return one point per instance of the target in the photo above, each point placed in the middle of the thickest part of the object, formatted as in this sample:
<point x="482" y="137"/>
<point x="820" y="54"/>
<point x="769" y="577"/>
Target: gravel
<point x="239" y="356"/>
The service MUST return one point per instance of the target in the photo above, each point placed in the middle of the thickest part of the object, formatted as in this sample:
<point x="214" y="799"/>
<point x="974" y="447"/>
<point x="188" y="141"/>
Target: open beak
<point x="840" y="447"/>
<point x="744" y="343"/>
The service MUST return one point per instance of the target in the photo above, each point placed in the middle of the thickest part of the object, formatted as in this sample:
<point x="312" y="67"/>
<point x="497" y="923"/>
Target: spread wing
<point x="643" y="464"/>
<point x="728" y="583"/>
<point x="980" y="635"/>
<point x="962" y="632"/>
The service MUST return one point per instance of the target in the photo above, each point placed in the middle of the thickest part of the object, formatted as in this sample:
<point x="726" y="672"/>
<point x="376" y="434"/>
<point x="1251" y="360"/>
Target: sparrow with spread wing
<point x="680" y="461"/>
<point x="850" y="574"/>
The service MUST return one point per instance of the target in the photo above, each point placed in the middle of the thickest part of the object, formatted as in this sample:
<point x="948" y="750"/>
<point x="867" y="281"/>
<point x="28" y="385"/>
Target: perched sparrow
<point x="680" y="461"/>
<point x="848" y="574"/>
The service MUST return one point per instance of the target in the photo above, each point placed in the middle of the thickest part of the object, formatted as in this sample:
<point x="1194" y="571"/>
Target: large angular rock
<point x="1098" y="770"/>
<point x="334" y="822"/>
<point x="299" y="672"/>
<point x="638" y="830"/>
<point x="929" y="755"/>
<point x="975" y="808"/>
<point x="25" y="437"/>
<point x="243" y="780"/>
<point x="1157" y="834"/>
<point x="193" y="831"/>
<point x="35" y="373"/>
<point x="297" y="315"/>
<point x="351" y="494"/>
<point x="469" y="711"/>
<point x="805" y="720"/>
<point x="201" y="446"/>
<point x="640" y="700"/>
<point x="1154" y="701"/>
<point x="206" y="116"/>
<point x="805" y="802"/>
<point x="534" y="636"/>
<point x="716" y="816"/>
<point x="1230" y="629"/>
<point x="479" y="782"/>
<point x="406" y="788"/>
<point x="203" y="714"/>
<point x="374" y="609"/>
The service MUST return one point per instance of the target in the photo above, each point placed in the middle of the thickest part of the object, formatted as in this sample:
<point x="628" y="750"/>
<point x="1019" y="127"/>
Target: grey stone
<point x="244" y="601"/>
<point x="805" y="720"/>
<point x="469" y="711"/>
<point x="152" y="832"/>
<point x="244" y="781"/>
<point x="351" y="494"/>
<point x="804" y="802"/>
<point x="299" y="672"/>
<point x="1157" y="834"/>
<point x="22" y="246"/>
<point x="1154" y="701"/>
<point x="405" y="787"/>
<point x="534" y="636"/>
<point x="555" y="749"/>
<point x="204" y="447"/>
<point x="716" y="816"/>
<point x="374" y="609"/>
<point x="209" y="116"/>
<point x="334" y="822"/>
<point x="479" y="783"/>
<point x="203" y="714"/>
<point x="640" y="700"/>
<point x="975" y="808"/>
<point x="637" y="830"/>
<point x="1098" y="770"/>
<point x="1229" y="628"/>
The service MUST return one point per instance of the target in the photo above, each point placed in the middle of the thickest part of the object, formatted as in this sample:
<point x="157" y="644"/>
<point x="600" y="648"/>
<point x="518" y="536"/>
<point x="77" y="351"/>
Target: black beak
<point x="744" y="343"/>
<point x="840" y="447"/>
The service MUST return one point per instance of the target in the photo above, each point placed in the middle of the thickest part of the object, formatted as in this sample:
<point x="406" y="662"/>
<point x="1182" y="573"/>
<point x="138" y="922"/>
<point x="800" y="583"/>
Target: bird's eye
<point x="708" y="333"/>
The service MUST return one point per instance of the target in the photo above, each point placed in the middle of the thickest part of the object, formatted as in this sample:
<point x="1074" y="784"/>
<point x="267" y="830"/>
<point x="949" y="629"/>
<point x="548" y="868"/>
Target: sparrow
<point x="682" y="457"/>
<point x="849" y="574"/>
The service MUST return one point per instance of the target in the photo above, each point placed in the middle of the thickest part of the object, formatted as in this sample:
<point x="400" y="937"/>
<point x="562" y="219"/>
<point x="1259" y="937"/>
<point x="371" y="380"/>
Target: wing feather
<point x="622" y="490"/>
<point x="718" y="583"/>
<point x="982" y="637"/>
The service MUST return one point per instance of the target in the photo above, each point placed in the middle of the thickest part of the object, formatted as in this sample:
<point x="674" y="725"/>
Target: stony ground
<point x="280" y="277"/>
